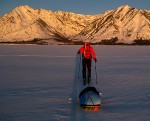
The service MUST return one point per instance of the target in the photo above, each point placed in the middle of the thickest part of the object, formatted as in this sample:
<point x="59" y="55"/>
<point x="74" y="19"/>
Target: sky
<point x="88" y="7"/>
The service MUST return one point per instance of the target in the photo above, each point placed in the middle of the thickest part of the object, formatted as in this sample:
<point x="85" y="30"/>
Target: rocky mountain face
<point x="125" y="23"/>
<point x="25" y="24"/>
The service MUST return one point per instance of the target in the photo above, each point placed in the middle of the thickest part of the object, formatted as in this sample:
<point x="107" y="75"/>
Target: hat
<point x="86" y="43"/>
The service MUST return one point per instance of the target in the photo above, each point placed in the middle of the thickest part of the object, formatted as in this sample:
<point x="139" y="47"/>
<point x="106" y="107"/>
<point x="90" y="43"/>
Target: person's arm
<point x="93" y="54"/>
<point x="80" y="50"/>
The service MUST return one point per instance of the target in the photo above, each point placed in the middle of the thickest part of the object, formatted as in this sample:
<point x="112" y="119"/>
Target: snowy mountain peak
<point x="122" y="10"/>
<point x="125" y="7"/>
<point x="23" y="9"/>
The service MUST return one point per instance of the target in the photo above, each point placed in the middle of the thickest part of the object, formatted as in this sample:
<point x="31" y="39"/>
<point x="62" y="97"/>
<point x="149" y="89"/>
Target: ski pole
<point x="95" y="73"/>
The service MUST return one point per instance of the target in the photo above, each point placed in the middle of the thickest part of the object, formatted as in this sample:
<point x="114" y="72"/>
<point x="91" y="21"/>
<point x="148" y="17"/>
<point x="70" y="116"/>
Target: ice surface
<point x="42" y="83"/>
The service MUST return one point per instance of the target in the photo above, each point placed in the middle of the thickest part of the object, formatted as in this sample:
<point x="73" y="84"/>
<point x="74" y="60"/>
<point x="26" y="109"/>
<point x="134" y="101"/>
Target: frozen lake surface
<point x="36" y="83"/>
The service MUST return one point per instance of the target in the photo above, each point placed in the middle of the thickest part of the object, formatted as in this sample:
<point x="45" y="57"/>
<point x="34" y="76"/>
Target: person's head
<point x="87" y="43"/>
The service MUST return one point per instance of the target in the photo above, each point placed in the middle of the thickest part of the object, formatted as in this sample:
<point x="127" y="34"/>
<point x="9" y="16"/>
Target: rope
<point x="96" y="78"/>
<point x="79" y="66"/>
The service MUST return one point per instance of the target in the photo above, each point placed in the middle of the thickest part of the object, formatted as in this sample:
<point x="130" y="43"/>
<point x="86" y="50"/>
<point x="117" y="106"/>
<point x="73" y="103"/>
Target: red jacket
<point x="87" y="51"/>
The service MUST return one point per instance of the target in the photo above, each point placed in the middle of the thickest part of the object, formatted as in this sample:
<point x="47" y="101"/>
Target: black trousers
<point x="86" y="64"/>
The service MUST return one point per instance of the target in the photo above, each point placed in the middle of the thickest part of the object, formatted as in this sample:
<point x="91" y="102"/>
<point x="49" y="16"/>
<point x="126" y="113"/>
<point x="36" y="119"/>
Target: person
<point x="87" y="54"/>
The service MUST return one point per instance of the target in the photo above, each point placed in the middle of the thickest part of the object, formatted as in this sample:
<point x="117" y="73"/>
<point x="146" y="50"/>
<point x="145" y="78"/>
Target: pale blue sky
<point x="76" y="6"/>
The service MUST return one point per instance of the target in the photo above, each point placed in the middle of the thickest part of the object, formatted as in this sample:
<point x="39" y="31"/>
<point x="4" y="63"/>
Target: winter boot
<point x="89" y="79"/>
<point x="84" y="81"/>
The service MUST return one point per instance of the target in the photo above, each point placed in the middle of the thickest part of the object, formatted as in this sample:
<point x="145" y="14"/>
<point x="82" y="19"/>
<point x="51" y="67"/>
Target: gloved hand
<point x="95" y="60"/>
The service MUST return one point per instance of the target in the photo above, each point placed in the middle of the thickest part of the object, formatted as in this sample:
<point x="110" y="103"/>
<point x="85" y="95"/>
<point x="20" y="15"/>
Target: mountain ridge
<point x="25" y="24"/>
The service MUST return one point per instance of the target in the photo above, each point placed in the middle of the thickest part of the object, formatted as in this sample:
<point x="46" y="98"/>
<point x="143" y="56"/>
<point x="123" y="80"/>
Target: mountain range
<point x="124" y="24"/>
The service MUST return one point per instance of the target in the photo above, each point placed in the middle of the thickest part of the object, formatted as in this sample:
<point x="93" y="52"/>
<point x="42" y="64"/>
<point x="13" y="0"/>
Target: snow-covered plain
<point x="36" y="83"/>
